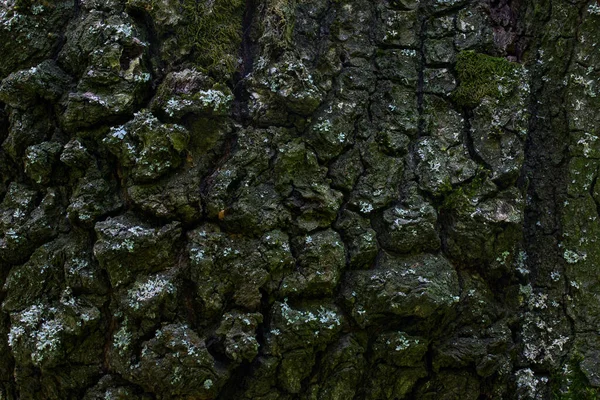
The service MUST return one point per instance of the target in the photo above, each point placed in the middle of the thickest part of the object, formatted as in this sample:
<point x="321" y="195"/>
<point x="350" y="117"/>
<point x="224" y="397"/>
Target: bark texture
<point x="299" y="199"/>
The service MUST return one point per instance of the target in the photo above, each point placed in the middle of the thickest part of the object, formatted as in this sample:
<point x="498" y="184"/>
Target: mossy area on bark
<point x="208" y="34"/>
<point x="278" y="24"/>
<point x="453" y="198"/>
<point x="214" y="32"/>
<point x="481" y="75"/>
<point x="572" y="384"/>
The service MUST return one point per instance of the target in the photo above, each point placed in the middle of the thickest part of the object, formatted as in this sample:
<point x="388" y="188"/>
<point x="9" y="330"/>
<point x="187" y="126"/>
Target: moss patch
<point x="452" y="198"/>
<point x="572" y="384"/>
<point x="207" y="33"/>
<point x="482" y="76"/>
<point x="214" y="32"/>
<point x="277" y="25"/>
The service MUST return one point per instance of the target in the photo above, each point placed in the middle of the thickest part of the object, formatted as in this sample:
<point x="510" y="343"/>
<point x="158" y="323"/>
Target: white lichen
<point x="151" y="289"/>
<point x="573" y="257"/>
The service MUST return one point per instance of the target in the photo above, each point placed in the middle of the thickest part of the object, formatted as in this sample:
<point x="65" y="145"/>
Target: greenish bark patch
<point x="214" y="32"/>
<point x="482" y="76"/>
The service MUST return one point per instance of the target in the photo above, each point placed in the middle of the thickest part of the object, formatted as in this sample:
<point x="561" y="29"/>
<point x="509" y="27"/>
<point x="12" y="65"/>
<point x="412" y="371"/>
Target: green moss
<point x="207" y="33"/>
<point x="482" y="76"/>
<point x="214" y="33"/>
<point x="572" y="384"/>
<point x="454" y="197"/>
<point x="278" y="24"/>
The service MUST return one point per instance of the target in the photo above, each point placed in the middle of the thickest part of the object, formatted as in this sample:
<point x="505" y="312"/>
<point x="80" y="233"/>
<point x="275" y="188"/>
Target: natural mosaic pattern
<point x="294" y="199"/>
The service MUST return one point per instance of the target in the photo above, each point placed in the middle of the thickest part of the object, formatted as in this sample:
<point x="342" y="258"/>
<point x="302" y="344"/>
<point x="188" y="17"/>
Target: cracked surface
<point x="291" y="199"/>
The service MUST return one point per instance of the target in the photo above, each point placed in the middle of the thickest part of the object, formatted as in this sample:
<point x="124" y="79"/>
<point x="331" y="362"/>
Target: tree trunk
<point x="299" y="199"/>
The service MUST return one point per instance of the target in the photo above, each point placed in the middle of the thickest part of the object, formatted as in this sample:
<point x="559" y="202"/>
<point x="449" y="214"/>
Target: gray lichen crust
<point x="299" y="200"/>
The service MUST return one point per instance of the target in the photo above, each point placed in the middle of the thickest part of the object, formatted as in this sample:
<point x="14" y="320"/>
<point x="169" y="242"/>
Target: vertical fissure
<point x="421" y="72"/>
<point x="240" y="111"/>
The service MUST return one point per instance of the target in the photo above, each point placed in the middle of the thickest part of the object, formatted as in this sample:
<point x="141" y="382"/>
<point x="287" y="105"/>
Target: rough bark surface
<point x="299" y="199"/>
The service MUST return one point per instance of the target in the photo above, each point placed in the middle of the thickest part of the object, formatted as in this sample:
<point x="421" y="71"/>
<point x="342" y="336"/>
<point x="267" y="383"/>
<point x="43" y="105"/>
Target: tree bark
<point x="295" y="199"/>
